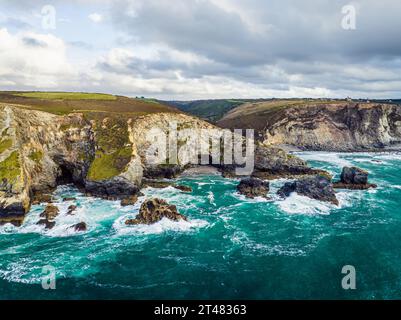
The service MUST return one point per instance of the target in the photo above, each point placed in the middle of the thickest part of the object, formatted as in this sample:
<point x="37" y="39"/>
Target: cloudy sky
<point x="198" y="49"/>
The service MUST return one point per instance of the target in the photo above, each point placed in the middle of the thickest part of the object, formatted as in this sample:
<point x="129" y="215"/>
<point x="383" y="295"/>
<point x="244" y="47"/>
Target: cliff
<point x="102" y="153"/>
<point x="321" y="125"/>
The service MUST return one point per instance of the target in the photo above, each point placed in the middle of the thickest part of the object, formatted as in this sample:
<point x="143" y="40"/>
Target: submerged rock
<point x="48" y="224"/>
<point x="154" y="210"/>
<point x="71" y="209"/>
<point x="354" y="178"/>
<point x="42" y="198"/>
<point x="50" y="212"/>
<point x="69" y="199"/>
<point x="164" y="184"/>
<point x="318" y="187"/>
<point x="80" y="227"/>
<point x="253" y="187"/>
<point x="130" y="201"/>
<point x="183" y="188"/>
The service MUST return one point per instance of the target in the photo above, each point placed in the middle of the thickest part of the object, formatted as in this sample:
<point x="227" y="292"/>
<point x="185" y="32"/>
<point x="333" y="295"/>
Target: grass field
<point x="66" y="96"/>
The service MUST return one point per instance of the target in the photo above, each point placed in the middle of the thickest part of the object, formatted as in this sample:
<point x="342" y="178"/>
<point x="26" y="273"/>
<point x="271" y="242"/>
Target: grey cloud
<point x="299" y="39"/>
<point x="32" y="42"/>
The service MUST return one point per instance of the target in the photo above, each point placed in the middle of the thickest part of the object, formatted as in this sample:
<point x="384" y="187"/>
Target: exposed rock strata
<point x="327" y="125"/>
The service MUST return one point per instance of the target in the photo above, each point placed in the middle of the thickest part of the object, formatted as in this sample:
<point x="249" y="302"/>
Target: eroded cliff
<point x="104" y="154"/>
<point x="327" y="125"/>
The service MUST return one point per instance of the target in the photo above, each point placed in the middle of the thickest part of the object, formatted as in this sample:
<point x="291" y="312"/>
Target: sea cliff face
<point x="103" y="155"/>
<point x="327" y="126"/>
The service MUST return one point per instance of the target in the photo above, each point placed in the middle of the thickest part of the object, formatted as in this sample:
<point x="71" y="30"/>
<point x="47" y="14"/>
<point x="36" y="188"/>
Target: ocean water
<point x="231" y="247"/>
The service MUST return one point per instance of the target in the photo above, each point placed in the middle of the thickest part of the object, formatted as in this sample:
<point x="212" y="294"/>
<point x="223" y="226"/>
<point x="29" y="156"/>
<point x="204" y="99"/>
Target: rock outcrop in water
<point x="253" y="187"/>
<point x="354" y="178"/>
<point x="154" y="210"/>
<point x="320" y="125"/>
<point x="318" y="188"/>
<point x="48" y="216"/>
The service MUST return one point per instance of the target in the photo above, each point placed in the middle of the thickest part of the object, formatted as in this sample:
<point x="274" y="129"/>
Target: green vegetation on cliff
<point x="108" y="165"/>
<point x="36" y="156"/>
<point x="113" y="149"/>
<point x="10" y="168"/>
<point x="5" y="144"/>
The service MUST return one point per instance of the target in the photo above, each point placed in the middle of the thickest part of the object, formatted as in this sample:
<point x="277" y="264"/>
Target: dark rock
<point x="15" y="221"/>
<point x="163" y="171"/>
<point x="183" y="188"/>
<point x="129" y="201"/>
<point x="353" y="178"/>
<point x="340" y="185"/>
<point x="253" y="187"/>
<point x="48" y="224"/>
<point x="80" y="227"/>
<point x="354" y="175"/>
<point x="69" y="199"/>
<point x="154" y="210"/>
<point x="50" y="212"/>
<point x="276" y="160"/>
<point x="113" y="189"/>
<point x="318" y="187"/>
<point x="164" y="184"/>
<point x="71" y="209"/>
<point x="12" y="210"/>
<point x="42" y="198"/>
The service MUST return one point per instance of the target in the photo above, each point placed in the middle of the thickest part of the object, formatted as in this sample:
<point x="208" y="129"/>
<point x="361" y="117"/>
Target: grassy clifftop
<point x="62" y="103"/>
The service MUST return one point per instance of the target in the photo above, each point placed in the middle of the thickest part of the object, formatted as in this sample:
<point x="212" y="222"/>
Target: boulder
<point x="80" y="227"/>
<point x="354" y="175"/>
<point x="71" y="209"/>
<point x="50" y="212"/>
<point x="154" y="210"/>
<point x="317" y="187"/>
<point x="353" y="178"/>
<point x="183" y="188"/>
<point x="69" y="199"/>
<point x="41" y="198"/>
<point x="129" y="201"/>
<point x="253" y="187"/>
<point x="48" y="224"/>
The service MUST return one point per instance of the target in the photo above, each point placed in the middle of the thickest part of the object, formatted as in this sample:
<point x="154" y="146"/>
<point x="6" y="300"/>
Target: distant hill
<point x="214" y="110"/>
<point x="210" y="110"/>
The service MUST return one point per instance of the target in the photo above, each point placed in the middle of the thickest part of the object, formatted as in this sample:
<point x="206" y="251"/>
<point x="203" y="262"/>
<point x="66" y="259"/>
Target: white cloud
<point x="31" y="59"/>
<point x="96" y="17"/>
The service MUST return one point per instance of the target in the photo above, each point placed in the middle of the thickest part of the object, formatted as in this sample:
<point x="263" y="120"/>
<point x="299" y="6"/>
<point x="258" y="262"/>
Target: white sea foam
<point x="245" y="199"/>
<point x="163" y="225"/>
<point x="329" y="157"/>
<point x="298" y="204"/>
<point x="210" y="197"/>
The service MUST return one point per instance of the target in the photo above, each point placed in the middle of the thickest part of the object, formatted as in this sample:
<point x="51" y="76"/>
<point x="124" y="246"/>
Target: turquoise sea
<point x="231" y="248"/>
